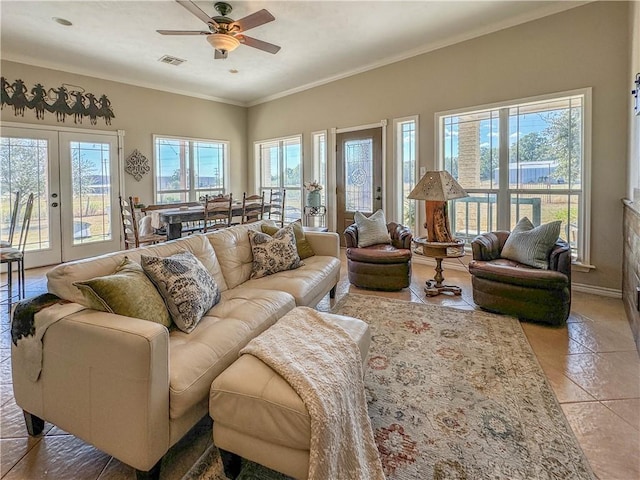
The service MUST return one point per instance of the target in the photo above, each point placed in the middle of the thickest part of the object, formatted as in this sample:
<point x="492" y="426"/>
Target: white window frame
<point x="582" y="263"/>
<point x="257" y="150"/>
<point x="320" y="161"/>
<point x="398" y="194"/>
<point x="192" y="194"/>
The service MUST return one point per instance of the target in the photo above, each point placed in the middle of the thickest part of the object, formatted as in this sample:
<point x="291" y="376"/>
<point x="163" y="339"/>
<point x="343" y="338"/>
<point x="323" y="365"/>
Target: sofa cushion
<point x="126" y="292"/>
<point x="372" y="229"/>
<point x="273" y="254"/>
<point x="234" y="251"/>
<point x="305" y="250"/>
<point x="60" y="279"/>
<point x="200" y="356"/>
<point x="188" y="289"/>
<point x="531" y="245"/>
<point x="308" y="284"/>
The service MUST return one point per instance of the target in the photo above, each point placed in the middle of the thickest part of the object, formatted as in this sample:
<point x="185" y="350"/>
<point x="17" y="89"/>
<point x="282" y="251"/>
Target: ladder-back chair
<point x="132" y="237"/>
<point x="218" y="211"/>
<point x="12" y="222"/>
<point x="276" y="206"/>
<point x="252" y="208"/>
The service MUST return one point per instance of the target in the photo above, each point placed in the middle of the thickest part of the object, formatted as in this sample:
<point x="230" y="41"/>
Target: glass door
<point x="89" y="185"/>
<point x="29" y="163"/>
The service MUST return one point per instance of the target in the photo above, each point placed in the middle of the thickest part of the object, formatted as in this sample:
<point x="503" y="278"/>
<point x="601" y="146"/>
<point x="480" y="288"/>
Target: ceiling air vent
<point x="171" y="60"/>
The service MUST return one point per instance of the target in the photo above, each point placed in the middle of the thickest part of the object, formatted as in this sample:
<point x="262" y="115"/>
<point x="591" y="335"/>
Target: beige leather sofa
<point x="131" y="387"/>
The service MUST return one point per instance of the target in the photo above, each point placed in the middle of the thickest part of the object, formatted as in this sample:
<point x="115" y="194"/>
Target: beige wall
<point x="586" y="46"/>
<point x="142" y="112"/>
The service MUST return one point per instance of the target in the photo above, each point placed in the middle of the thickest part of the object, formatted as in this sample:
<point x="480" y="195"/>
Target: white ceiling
<point x="321" y="40"/>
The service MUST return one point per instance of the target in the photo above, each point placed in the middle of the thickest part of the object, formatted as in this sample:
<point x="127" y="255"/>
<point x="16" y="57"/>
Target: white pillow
<point x="372" y="230"/>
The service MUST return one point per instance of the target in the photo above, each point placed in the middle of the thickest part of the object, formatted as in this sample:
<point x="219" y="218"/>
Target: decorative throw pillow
<point x="372" y="230"/>
<point x="305" y="250"/>
<point x="273" y="254"/>
<point x="531" y="245"/>
<point x="188" y="289"/>
<point x="127" y="292"/>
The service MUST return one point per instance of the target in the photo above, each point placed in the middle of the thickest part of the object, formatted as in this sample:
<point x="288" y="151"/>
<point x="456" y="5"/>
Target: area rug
<point x="452" y="394"/>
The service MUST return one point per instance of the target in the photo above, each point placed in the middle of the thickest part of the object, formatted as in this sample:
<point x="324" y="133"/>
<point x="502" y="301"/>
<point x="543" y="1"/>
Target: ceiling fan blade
<point x="196" y="10"/>
<point x="254" y="20"/>
<point x="259" y="44"/>
<point x="220" y="55"/>
<point x="182" y="32"/>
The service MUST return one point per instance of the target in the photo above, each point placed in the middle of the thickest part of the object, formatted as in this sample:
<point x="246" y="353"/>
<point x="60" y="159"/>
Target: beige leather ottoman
<point x="259" y="417"/>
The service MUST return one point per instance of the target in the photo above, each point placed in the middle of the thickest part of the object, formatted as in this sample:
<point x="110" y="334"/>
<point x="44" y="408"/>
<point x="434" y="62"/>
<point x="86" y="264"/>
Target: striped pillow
<point x="531" y="245"/>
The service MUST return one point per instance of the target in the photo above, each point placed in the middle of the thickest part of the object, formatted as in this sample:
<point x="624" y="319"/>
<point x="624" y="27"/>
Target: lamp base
<point x="437" y="222"/>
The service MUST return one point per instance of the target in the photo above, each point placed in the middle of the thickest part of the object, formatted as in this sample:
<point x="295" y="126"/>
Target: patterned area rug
<point x="452" y="394"/>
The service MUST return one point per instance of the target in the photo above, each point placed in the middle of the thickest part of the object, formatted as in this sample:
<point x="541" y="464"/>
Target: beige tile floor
<point x="591" y="363"/>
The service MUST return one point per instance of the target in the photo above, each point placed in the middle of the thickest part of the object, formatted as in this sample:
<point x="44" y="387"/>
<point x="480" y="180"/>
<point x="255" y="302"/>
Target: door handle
<point x="54" y="204"/>
<point x="378" y="197"/>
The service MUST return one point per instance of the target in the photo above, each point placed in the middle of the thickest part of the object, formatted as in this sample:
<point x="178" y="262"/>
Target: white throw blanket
<point x="323" y="365"/>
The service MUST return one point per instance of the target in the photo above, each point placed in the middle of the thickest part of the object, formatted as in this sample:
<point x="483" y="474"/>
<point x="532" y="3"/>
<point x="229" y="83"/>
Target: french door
<point x="75" y="180"/>
<point x="359" y="174"/>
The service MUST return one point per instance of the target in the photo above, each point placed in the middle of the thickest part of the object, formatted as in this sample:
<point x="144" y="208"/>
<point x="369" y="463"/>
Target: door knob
<point x="54" y="204"/>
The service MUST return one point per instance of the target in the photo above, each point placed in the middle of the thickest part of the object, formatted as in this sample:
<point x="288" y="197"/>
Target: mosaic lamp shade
<point x="437" y="187"/>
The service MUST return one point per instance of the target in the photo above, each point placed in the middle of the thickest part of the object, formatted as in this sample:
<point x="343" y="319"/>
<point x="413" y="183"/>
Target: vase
<point x="314" y="199"/>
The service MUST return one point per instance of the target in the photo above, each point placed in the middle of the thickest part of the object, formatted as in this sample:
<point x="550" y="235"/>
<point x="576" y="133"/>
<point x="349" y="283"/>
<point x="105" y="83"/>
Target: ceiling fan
<point x="226" y="34"/>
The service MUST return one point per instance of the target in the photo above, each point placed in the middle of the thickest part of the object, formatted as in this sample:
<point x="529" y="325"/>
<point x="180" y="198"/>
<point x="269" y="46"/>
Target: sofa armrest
<point x="324" y="243"/>
<point x="105" y="379"/>
<point x="560" y="258"/>
<point x="487" y="246"/>
<point x="401" y="235"/>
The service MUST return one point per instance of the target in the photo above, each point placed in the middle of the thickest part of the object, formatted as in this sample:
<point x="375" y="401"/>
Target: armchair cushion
<point x="371" y="230"/>
<point x="531" y="245"/>
<point x="381" y="253"/>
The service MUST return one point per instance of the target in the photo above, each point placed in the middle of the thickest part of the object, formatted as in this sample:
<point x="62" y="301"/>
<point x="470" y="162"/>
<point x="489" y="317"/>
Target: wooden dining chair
<point x="15" y="254"/>
<point x="252" y="208"/>
<point x="132" y="237"/>
<point x="13" y="220"/>
<point x="218" y="211"/>
<point x="276" y="206"/>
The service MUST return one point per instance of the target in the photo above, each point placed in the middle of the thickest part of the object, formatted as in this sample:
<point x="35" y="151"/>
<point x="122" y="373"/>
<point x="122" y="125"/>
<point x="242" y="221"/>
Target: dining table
<point x="174" y="217"/>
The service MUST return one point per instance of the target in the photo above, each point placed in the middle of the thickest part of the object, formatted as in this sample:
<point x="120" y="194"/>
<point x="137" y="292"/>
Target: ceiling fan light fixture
<point x="223" y="42"/>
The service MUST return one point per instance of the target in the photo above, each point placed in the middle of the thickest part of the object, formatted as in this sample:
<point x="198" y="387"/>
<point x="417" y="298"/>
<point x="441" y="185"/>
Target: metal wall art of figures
<point x="63" y="101"/>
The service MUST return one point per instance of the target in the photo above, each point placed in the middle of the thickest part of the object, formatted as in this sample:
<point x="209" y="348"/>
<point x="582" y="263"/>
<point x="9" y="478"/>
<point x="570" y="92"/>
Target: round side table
<point x="440" y="251"/>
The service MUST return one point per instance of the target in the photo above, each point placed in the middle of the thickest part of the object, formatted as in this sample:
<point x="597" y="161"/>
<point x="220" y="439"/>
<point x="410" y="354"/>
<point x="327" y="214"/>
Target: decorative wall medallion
<point x="137" y="165"/>
<point x="63" y="101"/>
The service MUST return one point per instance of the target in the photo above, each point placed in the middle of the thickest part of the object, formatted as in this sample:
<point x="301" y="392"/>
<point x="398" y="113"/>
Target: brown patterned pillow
<point x="273" y="254"/>
<point x="188" y="289"/>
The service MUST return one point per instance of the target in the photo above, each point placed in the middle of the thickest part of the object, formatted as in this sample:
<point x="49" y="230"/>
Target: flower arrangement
<point x="312" y="186"/>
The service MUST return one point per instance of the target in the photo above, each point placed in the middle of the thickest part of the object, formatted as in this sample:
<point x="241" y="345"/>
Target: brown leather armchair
<point x="504" y="286"/>
<point x="382" y="266"/>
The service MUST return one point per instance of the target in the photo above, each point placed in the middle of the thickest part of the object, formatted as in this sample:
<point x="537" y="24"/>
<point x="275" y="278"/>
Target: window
<point x="279" y="165"/>
<point x="187" y="169"/>
<point x="320" y="162"/>
<point x="406" y="153"/>
<point x="526" y="158"/>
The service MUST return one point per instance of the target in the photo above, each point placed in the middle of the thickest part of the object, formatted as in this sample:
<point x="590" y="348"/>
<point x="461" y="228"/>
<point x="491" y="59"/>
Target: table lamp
<point x="436" y="188"/>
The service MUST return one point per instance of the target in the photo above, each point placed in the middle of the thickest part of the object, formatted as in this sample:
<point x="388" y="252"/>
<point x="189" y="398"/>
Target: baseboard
<point x="454" y="264"/>
<point x="602" y="291"/>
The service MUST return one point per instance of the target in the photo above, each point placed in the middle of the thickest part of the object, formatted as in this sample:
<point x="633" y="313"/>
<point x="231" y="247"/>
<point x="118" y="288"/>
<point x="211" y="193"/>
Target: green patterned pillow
<point x="188" y="288"/>
<point x="531" y="245"/>
<point x="127" y="292"/>
<point x="273" y="254"/>
<point x="372" y="230"/>
<point x="305" y="250"/>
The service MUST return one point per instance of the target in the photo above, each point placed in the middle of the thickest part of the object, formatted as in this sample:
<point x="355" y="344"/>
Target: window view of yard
<point x="537" y="171"/>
